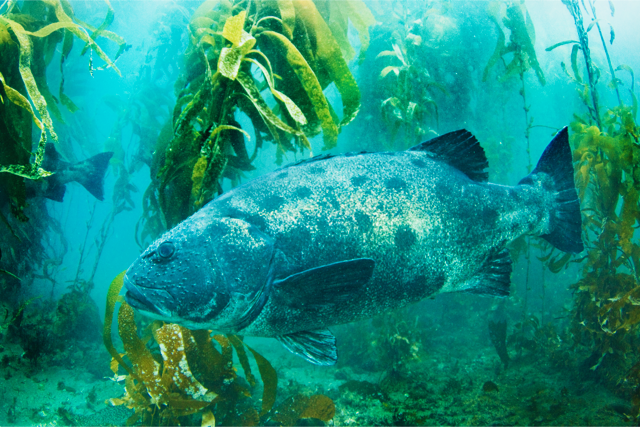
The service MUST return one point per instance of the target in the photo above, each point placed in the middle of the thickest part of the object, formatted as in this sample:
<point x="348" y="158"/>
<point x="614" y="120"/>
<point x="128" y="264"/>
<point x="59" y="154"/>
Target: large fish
<point x="335" y="239"/>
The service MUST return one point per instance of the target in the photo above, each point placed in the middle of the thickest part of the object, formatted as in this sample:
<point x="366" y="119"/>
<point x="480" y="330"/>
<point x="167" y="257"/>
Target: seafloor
<point x="448" y="373"/>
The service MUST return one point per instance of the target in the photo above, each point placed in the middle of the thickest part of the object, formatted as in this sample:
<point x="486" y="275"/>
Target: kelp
<point x="605" y="316"/>
<point x="408" y="110"/>
<point x="270" y="60"/>
<point x="513" y="15"/>
<point x="177" y="376"/>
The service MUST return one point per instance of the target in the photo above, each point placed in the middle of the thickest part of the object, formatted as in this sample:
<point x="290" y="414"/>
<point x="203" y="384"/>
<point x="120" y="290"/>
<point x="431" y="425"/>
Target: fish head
<point x="204" y="274"/>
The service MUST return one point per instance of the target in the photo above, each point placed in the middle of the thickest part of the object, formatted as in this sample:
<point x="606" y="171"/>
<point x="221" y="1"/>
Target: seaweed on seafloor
<point x="270" y="60"/>
<point x="178" y="376"/>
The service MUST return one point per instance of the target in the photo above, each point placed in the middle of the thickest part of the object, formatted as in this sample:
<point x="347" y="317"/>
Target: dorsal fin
<point x="461" y="150"/>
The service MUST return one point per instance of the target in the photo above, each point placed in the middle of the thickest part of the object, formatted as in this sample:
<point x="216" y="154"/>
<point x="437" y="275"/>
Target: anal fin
<point x="317" y="346"/>
<point x="494" y="279"/>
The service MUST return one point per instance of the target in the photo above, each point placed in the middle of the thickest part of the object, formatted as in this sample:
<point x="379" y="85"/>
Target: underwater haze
<point x="120" y="120"/>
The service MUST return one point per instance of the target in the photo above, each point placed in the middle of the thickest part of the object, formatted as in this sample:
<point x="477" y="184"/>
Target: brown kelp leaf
<point x="234" y="27"/>
<point x="176" y="367"/>
<point x="145" y="367"/>
<point x="269" y="379"/>
<point x="310" y="83"/>
<point x="242" y="357"/>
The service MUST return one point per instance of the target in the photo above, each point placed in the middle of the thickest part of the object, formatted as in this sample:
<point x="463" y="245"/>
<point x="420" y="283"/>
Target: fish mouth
<point x="138" y="300"/>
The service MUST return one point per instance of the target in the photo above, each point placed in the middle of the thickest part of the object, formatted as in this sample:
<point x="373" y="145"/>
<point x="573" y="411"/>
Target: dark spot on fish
<point x="363" y="220"/>
<point x="404" y="237"/>
<point x="303" y="192"/>
<point x="489" y="216"/>
<point x="395" y="184"/>
<point x="359" y="180"/>
<point x="330" y="198"/>
<point x="272" y="202"/>
<point x="419" y="163"/>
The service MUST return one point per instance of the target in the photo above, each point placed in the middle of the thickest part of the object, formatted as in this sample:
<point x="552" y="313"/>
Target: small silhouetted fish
<point x="89" y="173"/>
<point x="289" y="255"/>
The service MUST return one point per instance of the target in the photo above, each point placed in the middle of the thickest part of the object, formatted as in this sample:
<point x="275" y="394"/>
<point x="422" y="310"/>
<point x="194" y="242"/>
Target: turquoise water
<point x="430" y="68"/>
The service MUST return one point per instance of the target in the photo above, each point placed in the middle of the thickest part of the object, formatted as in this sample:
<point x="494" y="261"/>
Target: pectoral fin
<point x="317" y="346"/>
<point x="325" y="286"/>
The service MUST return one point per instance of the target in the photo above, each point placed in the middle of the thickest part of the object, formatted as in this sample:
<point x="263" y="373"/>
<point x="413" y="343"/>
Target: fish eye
<point x="166" y="249"/>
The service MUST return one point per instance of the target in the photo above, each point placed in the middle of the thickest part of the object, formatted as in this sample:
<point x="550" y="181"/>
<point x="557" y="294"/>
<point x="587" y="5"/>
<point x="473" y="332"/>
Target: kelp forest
<point x="156" y="108"/>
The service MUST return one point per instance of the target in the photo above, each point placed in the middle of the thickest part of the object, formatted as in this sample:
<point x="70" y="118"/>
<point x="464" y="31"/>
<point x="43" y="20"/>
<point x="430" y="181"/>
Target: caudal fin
<point x="93" y="179"/>
<point x="566" y="220"/>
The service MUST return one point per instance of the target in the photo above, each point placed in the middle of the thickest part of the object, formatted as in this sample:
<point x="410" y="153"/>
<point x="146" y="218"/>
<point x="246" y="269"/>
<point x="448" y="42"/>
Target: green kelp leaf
<point x="228" y="127"/>
<point x="234" y="27"/>
<point x="288" y="15"/>
<point x="80" y="33"/>
<point x="108" y="20"/>
<point x="267" y="114"/>
<point x="550" y="48"/>
<point x="329" y="55"/>
<point x="360" y="16"/>
<point x="310" y="84"/>
<point x="292" y="108"/>
<point x="67" y="102"/>
<point x="574" y="62"/>
<point x="27" y="76"/>
<point x="18" y="99"/>
<point x="205" y="8"/>
<point x="112" y="299"/>
<point x="612" y="34"/>
<point x="231" y="58"/>
<point x="630" y="71"/>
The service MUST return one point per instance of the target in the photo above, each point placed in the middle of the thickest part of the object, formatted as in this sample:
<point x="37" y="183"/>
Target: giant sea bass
<point x="335" y="239"/>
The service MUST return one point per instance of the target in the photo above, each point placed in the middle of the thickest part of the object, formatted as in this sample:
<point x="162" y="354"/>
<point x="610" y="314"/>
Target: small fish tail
<point x="93" y="179"/>
<point x="566" y="220"/>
